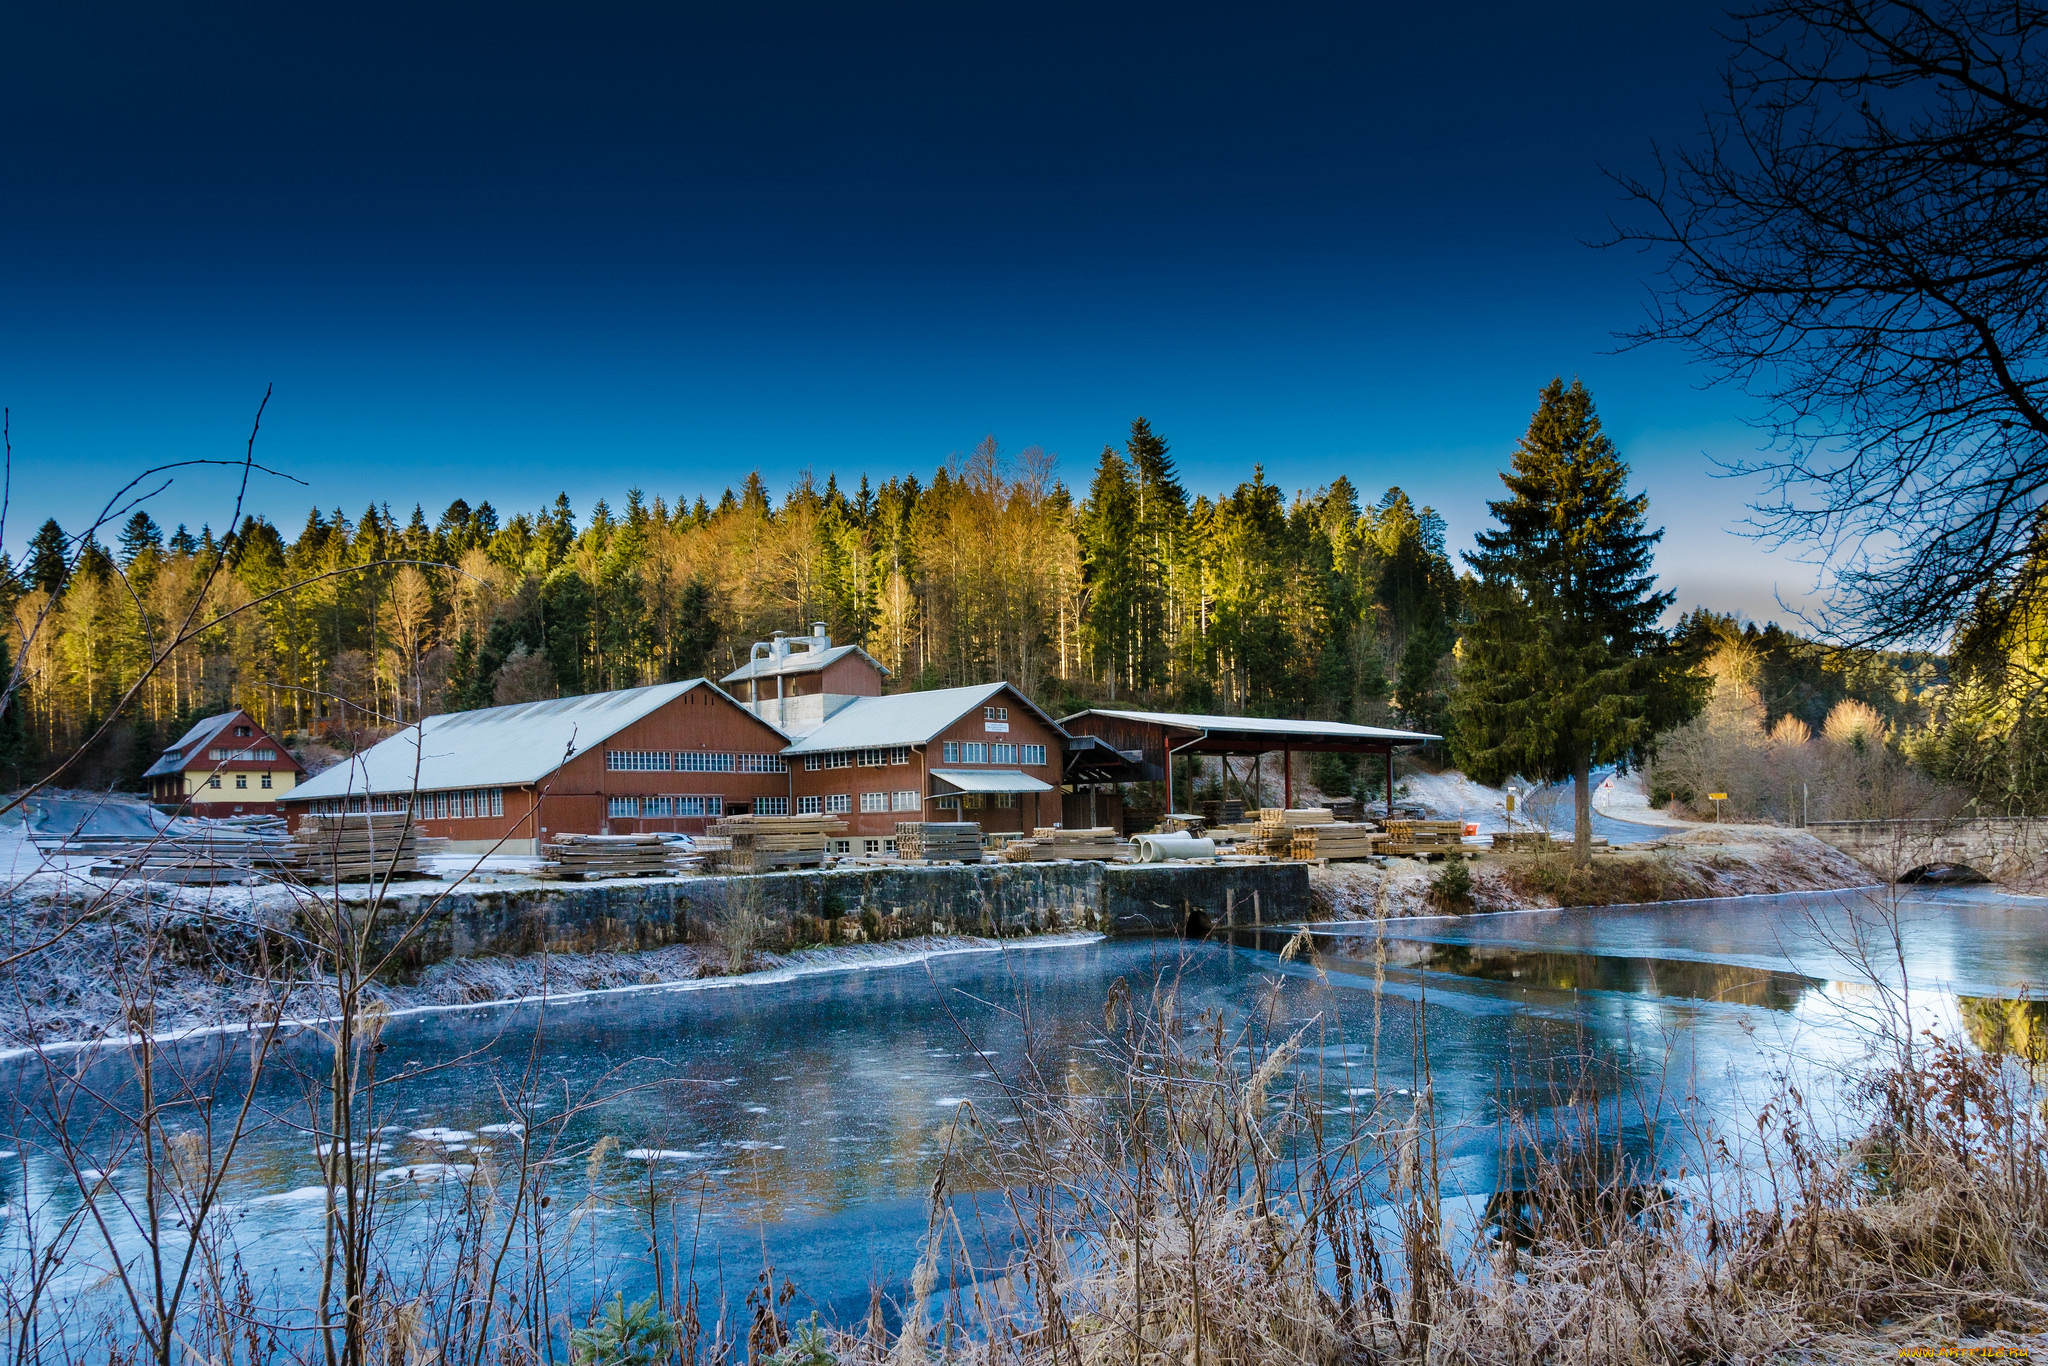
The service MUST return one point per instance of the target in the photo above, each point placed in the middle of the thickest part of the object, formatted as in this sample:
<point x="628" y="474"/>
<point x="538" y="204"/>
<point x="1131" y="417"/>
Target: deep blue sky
<point x="502" y="250"/>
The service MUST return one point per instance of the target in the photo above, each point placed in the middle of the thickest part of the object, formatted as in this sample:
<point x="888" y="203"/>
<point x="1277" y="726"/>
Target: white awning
<point x="990" y="780"/>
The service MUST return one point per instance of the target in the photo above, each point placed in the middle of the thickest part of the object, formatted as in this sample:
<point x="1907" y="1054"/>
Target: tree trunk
<point x="1582" y="828"/>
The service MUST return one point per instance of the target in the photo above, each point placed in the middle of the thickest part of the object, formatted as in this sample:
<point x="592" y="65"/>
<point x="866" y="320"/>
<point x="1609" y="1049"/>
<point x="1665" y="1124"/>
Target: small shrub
<point x="618" y="1336"/>
<point x="1452" y="887"/>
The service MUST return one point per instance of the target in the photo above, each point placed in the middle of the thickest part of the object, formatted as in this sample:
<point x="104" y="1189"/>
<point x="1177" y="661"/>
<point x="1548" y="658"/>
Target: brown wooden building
<point x="226" y="765"/>
<point x="797" y="683"/>
<point x="984" y="754"/>
<point x="673" y="757"/>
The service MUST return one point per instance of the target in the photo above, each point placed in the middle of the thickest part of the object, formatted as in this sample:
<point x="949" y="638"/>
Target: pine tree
<point x="1564" y="666"/>
<point x="49" y="558"/>
<point x="140" y="535"/>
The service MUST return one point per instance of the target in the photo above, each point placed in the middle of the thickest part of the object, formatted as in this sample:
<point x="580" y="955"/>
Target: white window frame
<point x="838" y="803"/>
<point x="873" y="758"/>
<point x="899" y="754"/>
<point x="951" y="750"/>
<point x="974" y="752"/>
<point x="1031" y="756"/>
<point x="810" y="806"/>
<point x="771" y="806"/>
<point x="1003" y="754"/>
<point x="622" y="808"/>
<point x="905" y="800"/>
<point x="871" y="802"/>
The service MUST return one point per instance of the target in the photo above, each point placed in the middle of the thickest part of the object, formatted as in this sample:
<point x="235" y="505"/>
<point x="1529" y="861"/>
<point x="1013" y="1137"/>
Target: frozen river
<point x="802" y="1121"/>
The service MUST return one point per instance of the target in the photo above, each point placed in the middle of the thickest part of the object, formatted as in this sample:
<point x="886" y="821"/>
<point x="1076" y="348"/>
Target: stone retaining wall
<point x="839" y="905"/>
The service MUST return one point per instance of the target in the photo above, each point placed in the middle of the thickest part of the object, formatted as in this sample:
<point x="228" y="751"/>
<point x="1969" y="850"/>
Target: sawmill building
<point x="672" y="757"/>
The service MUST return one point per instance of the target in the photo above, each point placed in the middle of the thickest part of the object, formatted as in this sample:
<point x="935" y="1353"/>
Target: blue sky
<point x="501" y="251"/>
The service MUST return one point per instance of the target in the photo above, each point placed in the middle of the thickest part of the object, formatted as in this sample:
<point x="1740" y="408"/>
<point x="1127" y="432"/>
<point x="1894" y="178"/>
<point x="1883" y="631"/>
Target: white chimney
<point x="819" y="640"/>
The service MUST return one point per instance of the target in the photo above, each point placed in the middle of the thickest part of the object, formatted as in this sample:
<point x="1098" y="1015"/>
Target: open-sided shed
<point x="1152" y="739"/>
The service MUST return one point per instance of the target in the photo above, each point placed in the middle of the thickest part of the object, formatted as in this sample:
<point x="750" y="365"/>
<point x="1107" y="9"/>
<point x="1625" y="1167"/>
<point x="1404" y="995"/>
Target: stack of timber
<point x="1521" y="839"/>
<point x="762" y="844"/>
<point x="1337" y="840"/>
<point x="939" y="841"/>
<point x="588" y="858"/>
<point x="1345" y="810"/>
<point x="1182" y="823"/>
<point x="1273" y="833"/>
<point x="1233" y="811"/>
<point x="1099" y="843"/>
<point x="359" y="848"/>
<point x="1427" y="839"/>
<point x="190" y="852"/>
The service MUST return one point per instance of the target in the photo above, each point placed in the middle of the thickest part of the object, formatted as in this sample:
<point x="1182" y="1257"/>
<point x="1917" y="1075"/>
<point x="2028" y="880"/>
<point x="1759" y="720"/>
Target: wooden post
<point x="1287" y="778"/>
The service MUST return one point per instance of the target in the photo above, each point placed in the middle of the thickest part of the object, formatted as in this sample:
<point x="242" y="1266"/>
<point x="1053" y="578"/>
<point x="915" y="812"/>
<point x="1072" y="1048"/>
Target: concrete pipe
<point x="1160" y="848"/>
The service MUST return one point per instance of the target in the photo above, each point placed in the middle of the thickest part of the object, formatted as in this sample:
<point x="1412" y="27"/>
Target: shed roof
<point x="180" y="756"/>
<point x="991" y="780"/>
<point x="800" y="662"/>
<point x="1278" y="728"/>
<point x="904" y="718"/>
<point x="497" y="746"/>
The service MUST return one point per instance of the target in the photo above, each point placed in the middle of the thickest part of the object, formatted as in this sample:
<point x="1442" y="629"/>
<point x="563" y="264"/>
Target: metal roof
<point x="179" y="757"/>
<point x="1260" y="725"/>
<point x="495" y="747"/>
<point x="904" y="718"/>
<point x="799" y="662"/>
<point x="991" y="780"/>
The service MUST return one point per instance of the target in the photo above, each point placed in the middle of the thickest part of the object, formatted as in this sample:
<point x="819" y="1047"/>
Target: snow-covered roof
<point x="904" y="718"/>
<point x="181" y="756"/>
<point x="1259" y="725"/>
<point x="799" y="662"/>
<point x="494" y="747"/>
<point x="991" y="780"/>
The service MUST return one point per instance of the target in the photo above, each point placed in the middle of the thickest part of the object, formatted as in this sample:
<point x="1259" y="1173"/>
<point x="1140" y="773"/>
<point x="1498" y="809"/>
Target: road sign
<point x="1717" y="796"/>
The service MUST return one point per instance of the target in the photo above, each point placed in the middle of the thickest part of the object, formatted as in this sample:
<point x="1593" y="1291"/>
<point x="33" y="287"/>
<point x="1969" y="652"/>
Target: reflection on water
<point x="1683" y="978"/>
<point x="2017" y="1027"/>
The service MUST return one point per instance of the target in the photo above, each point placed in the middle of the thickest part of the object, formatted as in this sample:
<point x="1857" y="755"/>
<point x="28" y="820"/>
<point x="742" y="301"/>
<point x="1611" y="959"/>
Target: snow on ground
<point x="1621" y="805"/>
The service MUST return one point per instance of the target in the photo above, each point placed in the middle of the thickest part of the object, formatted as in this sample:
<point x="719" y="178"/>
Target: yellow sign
<point x="1717" y="796"/>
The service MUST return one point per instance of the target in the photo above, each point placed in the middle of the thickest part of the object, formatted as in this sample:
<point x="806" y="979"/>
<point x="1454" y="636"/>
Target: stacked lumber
<point x="1181" y="823"/>
<point x="1275" y="826"/>
<point x="939" y="840"/>
<point x="1337" y="840"/>
<point x="1521" y="839"/>
<point x="589" y="858"/>
<point x="193" y="852"/>
<point x="1425" y="839"/>
<point x="1049" y="842"/>
<point x="1345" y="810"/>
<point x="1233" y="811"/>
<point x="761" y="844"/>
<point x="358" y="848"/>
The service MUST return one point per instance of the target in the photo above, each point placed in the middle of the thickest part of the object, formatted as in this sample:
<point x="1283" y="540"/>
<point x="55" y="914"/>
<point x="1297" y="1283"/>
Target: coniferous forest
<point x="1329" y="602"/>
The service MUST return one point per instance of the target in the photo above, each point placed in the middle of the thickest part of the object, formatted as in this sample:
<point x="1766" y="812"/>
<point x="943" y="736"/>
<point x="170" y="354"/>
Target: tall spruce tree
<point x="1564" y="666"/>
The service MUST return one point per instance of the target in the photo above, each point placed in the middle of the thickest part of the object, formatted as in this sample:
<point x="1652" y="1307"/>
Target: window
<point x="691" y="761"/>
<point x="973" y="801"/>
<point x="771" y="806"/>
<point x="1004" y="754"/>
<point x="811" y="762"/>
<point x="214" y="781"/>
<point x="266" y="780"/>
<point x="808" y="806"/>
<point x="871" y="758"/>
<point x="974" y="752"/>
<point x="658" y="806"/>
<point x="1006" y="799"/>
<point x="242" y="781"/>
<point x="241" y="730"/>
<point x="469" y="805"/>
<point x="951" y="750"/>
<point x="838" y="803"/>
<point x="907" y="801"/>
<point x="874" y="801"/>
<point x="497" y="801"/>
<point x="266" y="755"/>
<point x="761" y="763"/>
<point x="622" y="806"/>
<point x="837" y="759"/>
<point x="637" y="760"/>
<point x="871" y="846"/>
<point x="947" y="803"/>
<point x="1033" y="756"/>
<point x="700" y="806"/>
<point x="842" y="846"/>
<point x="899" y="754"/>
<point x="995" y="713"/>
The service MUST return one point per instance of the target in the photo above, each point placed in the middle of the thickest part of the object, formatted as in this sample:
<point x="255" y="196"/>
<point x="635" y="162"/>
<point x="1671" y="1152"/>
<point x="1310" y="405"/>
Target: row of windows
<point x="865" y="758"/>
<point x="977" y="752"/>
<point x="837" y="803"/>
<point x="241" y="780"/>
<point x="691" y="761"/>
<point x="665" y="806"/>
<point x="976" y="801"/>
<point x="242" y="755"/>
<point x="771" y="806"/>
<point x="469" y="804"/>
